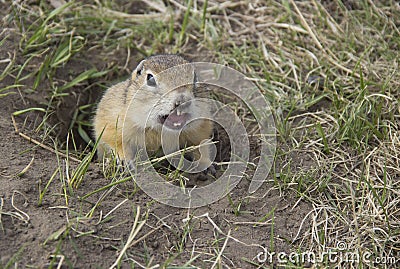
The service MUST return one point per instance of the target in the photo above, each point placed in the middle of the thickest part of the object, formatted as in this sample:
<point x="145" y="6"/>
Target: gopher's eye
<point x="151" y="80"/>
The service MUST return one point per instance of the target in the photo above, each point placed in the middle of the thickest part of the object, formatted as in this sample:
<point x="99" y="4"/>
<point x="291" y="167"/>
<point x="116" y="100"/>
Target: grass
<point x="328" y="69"/>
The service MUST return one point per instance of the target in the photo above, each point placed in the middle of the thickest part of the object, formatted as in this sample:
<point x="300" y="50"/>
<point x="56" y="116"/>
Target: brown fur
<point x="126" y="100"/>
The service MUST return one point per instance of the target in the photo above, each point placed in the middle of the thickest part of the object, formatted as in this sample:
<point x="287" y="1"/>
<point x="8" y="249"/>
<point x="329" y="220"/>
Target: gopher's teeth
<point x="178" y="112"/>
<point x="176" y="124"/>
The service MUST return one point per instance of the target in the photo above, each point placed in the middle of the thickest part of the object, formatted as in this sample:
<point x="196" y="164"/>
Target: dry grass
<point x="330" y="70"/>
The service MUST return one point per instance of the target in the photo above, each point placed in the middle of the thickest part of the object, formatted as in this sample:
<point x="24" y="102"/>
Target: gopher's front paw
<point x="210" y="170"/>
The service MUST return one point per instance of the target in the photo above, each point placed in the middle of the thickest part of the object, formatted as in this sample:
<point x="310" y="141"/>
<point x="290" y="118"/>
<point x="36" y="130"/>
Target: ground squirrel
<point x="159" y="93"/>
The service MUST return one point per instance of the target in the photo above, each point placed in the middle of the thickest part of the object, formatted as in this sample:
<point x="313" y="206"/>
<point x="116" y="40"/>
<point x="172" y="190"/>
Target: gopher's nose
<point x="182" y="102"/>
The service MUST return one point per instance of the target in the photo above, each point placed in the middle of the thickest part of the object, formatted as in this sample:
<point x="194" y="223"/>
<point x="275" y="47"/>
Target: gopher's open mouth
<point x="173" y="120"/>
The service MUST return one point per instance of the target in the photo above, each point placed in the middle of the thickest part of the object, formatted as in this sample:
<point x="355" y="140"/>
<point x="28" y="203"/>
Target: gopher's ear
<point x="138" y="70"/>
